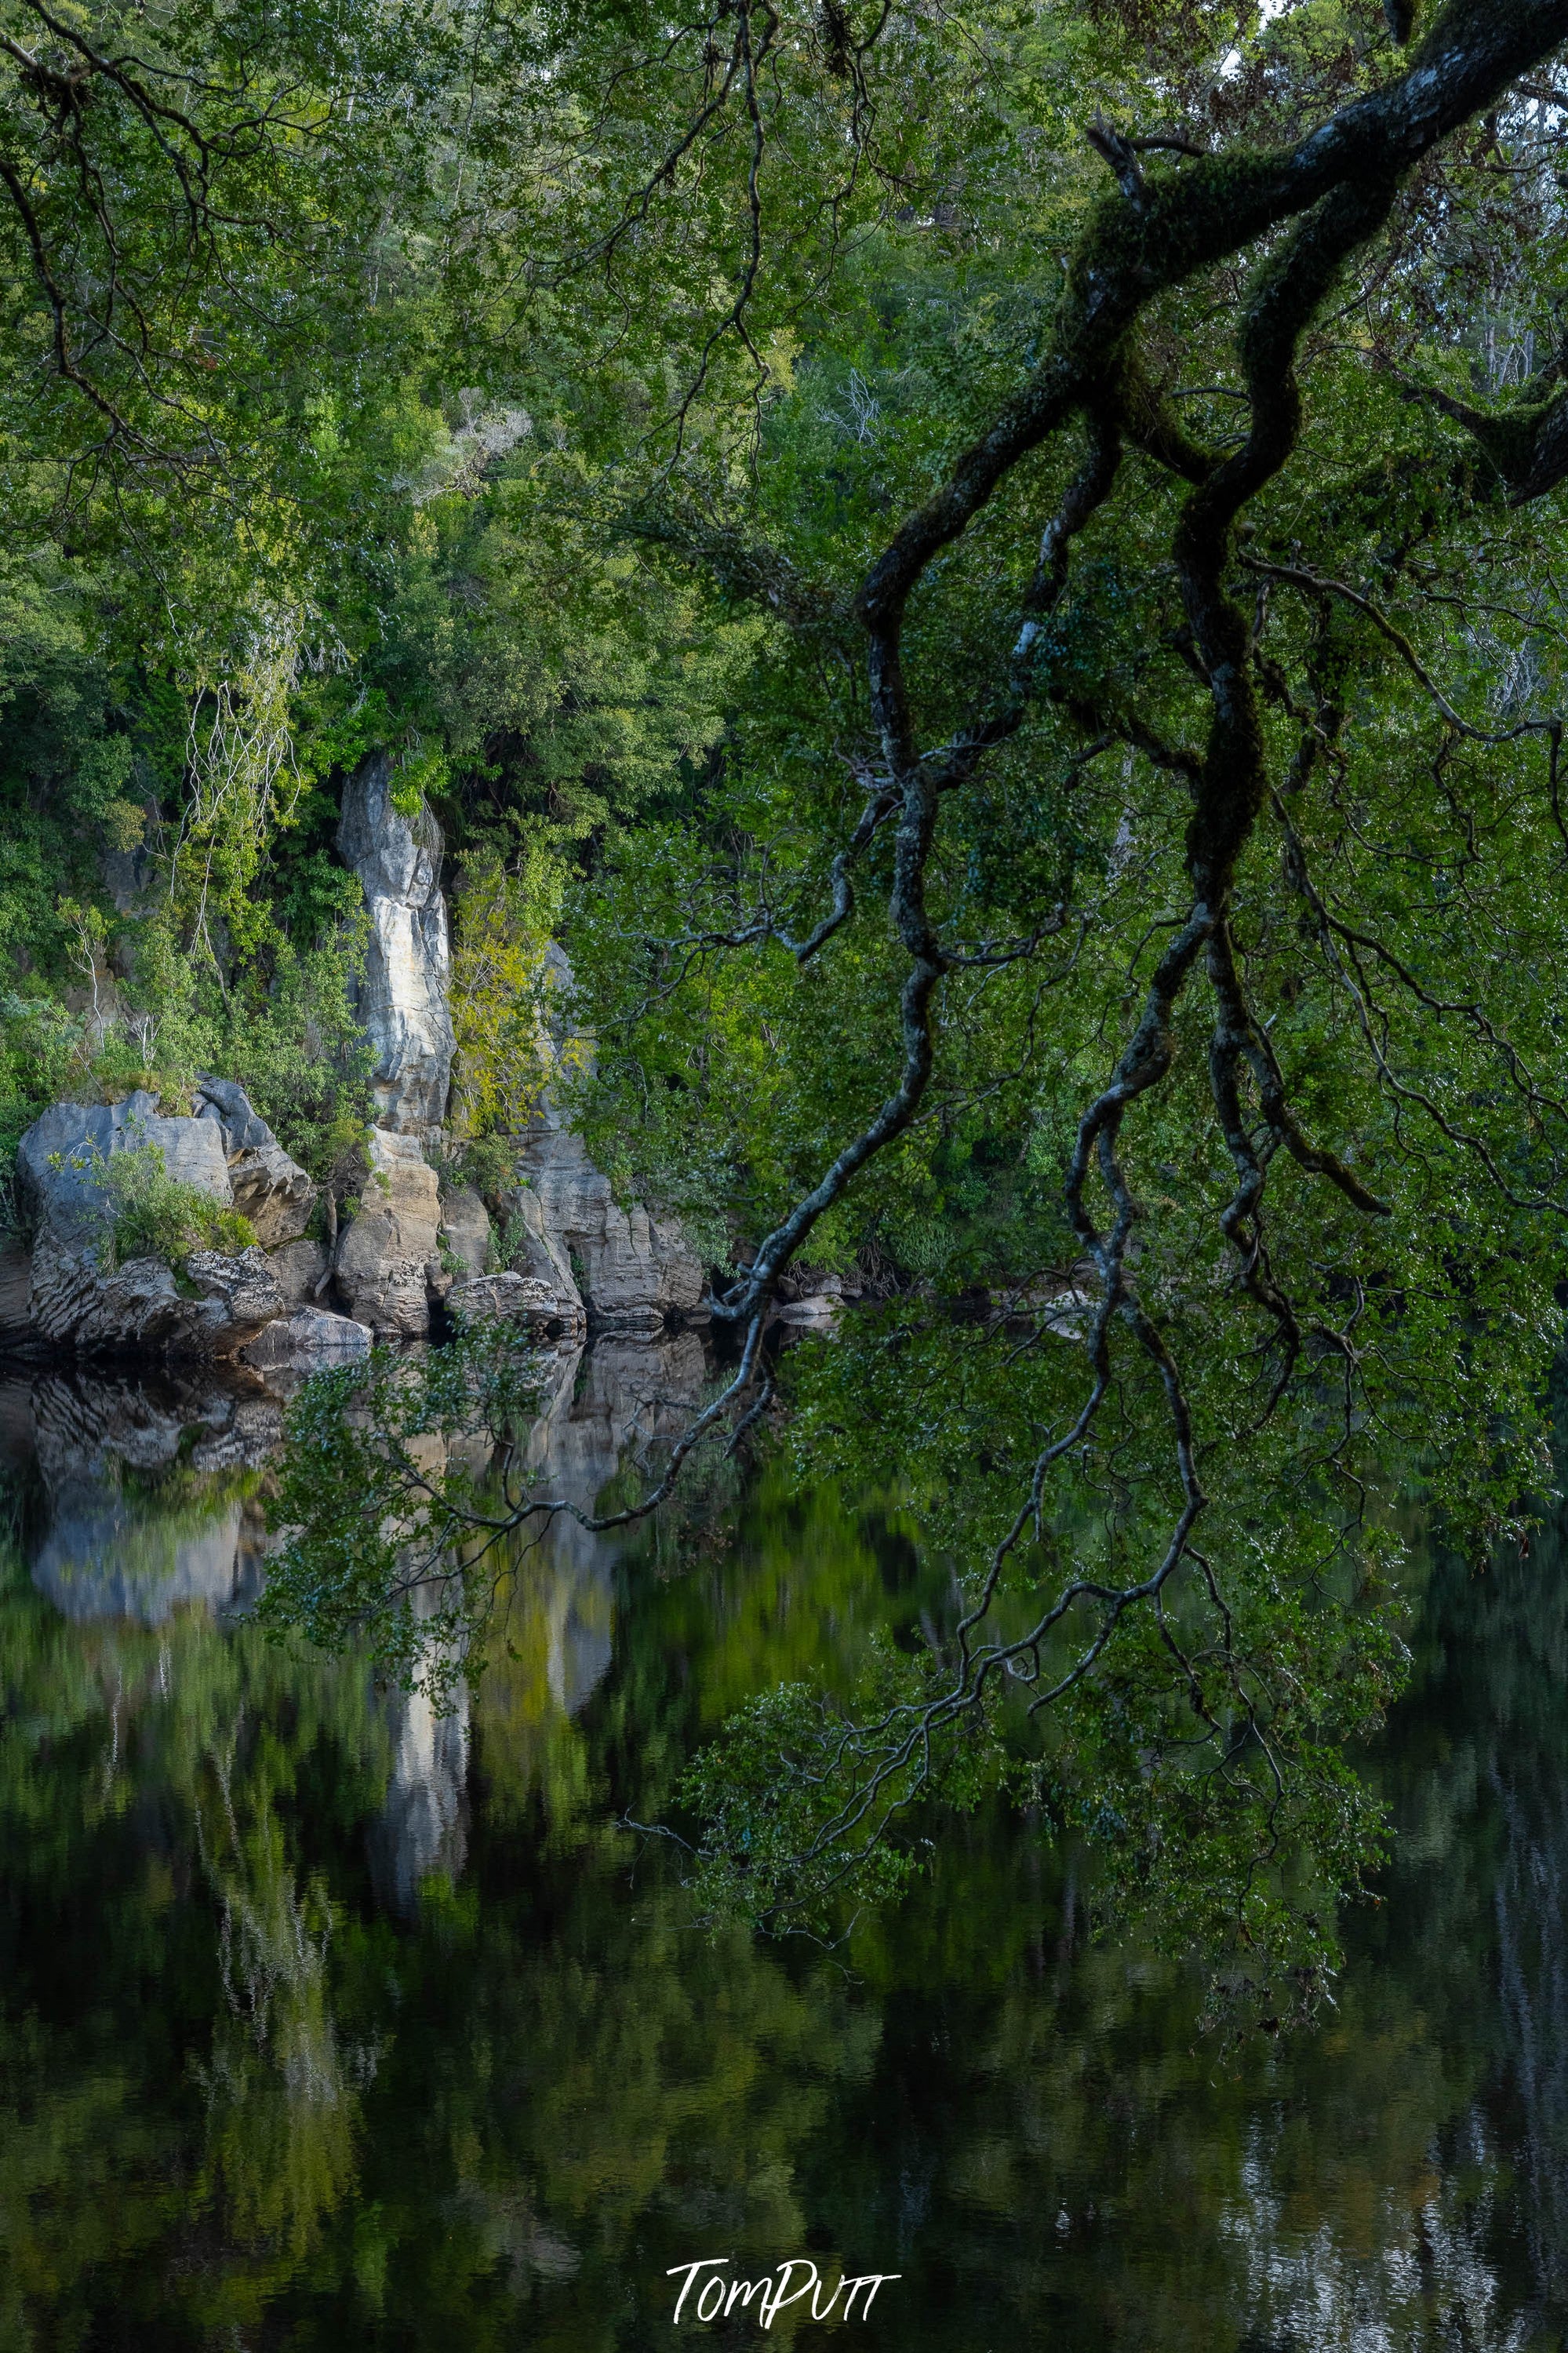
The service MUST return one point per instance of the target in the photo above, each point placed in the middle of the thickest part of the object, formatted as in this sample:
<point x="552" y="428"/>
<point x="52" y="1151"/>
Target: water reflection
<point x="144" y="1493"/>
<point x="603" y="1407"/>
<point x="326" y="2021"/>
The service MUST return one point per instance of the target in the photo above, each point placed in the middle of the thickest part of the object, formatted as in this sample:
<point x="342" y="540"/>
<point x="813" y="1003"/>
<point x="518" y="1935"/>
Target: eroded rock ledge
<point x="410" y="1249"/>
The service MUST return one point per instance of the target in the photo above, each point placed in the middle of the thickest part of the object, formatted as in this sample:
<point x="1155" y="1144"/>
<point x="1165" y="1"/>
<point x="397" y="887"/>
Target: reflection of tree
<point x="281" y="2096"/>
<point x="1532" y="1959"/>
<point x="570" y="2089"/>
<point x="176" y="2107"/>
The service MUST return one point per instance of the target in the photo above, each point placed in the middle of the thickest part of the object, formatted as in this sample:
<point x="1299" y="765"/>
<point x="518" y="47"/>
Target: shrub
<point x="40" y="1046"/>
<point x="153" y="1215"/>
<point x="501" y="994"/>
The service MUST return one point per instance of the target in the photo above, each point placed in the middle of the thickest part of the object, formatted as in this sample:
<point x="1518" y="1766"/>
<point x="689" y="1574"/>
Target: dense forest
<point x="989" y="575"/>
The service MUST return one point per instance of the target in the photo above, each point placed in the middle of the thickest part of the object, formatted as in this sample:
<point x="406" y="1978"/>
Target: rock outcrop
<point x="302" y="1269"/>
<point x="227" y="1299"/>
<point x="545" y="1258"/>
<point x="466" y="1227"/>
<point x="388" y="1255"/>
<point x="61" y="1158"/>
<point x="630" y="1270"/>
<point x="402" y="999"/>
<point x="273" y="1191"/>
<point x="219" y="1300"/>
<point x="633" y="1268"/>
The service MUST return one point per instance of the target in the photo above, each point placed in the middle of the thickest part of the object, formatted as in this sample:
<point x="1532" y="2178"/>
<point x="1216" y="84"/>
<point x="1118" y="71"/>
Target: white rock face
<point x="299" y="1267"/>
<point x="546" y="1261"/>
<point x="59" y="1159"/>
<point x="387" y="1257"/>
<point x="633" y="1269"/>
<point x="520" y="1298"/>
<point x="402" y="1002"/>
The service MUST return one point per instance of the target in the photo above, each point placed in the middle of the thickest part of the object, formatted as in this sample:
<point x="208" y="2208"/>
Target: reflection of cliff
<point x="137" y="1521"/>
<point x="422" y="1830"/>
<point x="603" y="1405"/>
<point x="607" y="1407"/>
<point x="1530" y="1905"/>
<point x="1507" y="1650"/>
<point x="1531" y="1924"/>
<point x="1407" y="2276"/>
<point x="282" y="2095"/>
<point x="1462" y="2237"/>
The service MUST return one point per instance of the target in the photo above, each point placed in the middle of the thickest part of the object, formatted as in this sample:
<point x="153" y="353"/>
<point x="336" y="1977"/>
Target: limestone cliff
<point x="402" y="999"/>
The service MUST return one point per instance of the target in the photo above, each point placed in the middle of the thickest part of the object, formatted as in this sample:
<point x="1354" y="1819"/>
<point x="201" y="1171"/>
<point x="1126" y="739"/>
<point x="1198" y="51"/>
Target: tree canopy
<point x="997" y="568"/>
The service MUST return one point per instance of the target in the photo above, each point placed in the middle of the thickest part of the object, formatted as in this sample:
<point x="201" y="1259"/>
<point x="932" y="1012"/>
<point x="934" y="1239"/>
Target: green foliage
<point x="153" y="1215"/>
<point x="772" y="1793"/>
<point x="543" y="442"/>
<point x="502" y="996"/>
<point x="377" y="1544"/>
<point x="40" y="1045"/>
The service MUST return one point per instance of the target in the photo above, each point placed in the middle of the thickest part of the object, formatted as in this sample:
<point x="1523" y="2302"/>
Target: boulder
<point x="273" y="1191"/>
<point x="521" y="1298"/>
<point x="299" y="1268"/>
<point x="224" y="1299"/>
<point x="387" y="1255"/>
<point x="307" y="1339"/>
<point x="61" y="1159"/>
<point x="402" y="1001"/>
<point x="540" y="1254"/>
<point x="817" y="1309"/>
<point x="466" y="1227"/>
<point x="219" y="1299"/>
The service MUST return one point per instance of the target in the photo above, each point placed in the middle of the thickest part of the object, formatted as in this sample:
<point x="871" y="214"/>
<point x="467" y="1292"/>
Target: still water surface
<point x="328" y="2024"/>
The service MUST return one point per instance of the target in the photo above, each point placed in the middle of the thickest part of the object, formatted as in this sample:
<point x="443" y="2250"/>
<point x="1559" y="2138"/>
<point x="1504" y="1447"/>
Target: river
<point x="327" y="2023"/>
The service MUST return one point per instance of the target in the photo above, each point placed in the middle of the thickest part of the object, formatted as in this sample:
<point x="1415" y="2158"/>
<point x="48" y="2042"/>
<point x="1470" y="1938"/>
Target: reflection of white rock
<point x="105" y="1557"/>
<point x="422" y="1830"/>
<point x="605" y="1404"/>
<point x="109" y="1551"/>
